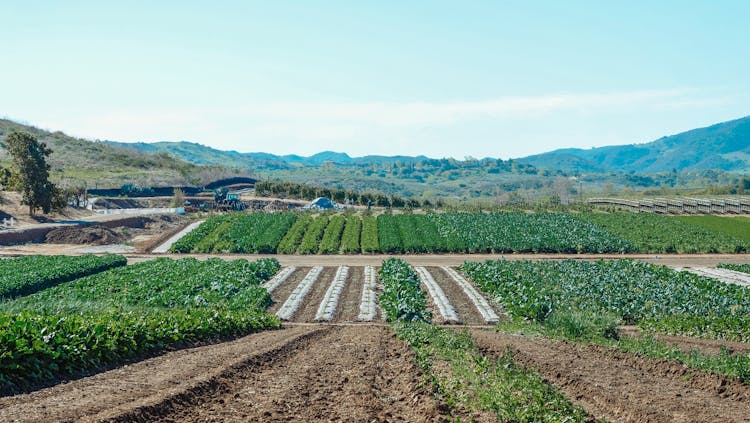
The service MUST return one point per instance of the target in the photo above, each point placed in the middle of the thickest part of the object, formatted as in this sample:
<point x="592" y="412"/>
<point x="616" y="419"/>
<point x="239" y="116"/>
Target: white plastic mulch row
<point x="164" y="248"/>
<point x="367" y="305"/>
<point x="438" y="296"/>
<point x="328" y="306"/>
<point x="481" y="303"/>
<point x="298" y="294"/>
<point x="724" y="275"/>
<point x="280" y="278"/>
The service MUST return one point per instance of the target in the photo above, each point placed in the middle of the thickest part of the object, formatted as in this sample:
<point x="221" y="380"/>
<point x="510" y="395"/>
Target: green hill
<point x="76" y="161"/>
<point x="724" y="146"/>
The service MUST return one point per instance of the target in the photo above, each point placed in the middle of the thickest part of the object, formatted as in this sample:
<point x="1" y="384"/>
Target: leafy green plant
<point x="402" y="298"/>
<point x="26" y="275"/>
<point x="313" y="235"/>
<point x="369" y="236"/>
<point x="291" y="240"/>
<point x="129" y="311"/>
<point x="350" y="237"/>
<point x="329" y="244"/>
<point x="467" y="380"/>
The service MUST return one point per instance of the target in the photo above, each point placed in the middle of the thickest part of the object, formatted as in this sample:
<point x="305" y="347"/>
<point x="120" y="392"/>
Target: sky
<point x="441" y="78"/>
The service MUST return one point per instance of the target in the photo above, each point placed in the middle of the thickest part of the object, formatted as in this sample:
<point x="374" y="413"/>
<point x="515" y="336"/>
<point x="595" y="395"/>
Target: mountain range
<point x="724" y="146"/>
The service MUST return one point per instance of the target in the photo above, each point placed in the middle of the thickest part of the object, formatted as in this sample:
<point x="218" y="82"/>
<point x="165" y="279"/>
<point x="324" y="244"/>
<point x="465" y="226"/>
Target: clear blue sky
<point x="480" y="78"/>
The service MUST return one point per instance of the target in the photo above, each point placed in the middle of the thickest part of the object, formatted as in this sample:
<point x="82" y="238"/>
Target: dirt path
<point x="466" y="310"/>
<point x="622" y="387"/>
<point x="144" y="383"/>
<point x="309" y="307"/>
<point x="350" y="373"/>
<point x="280" y="294"/>
<point x="348" y="307"/>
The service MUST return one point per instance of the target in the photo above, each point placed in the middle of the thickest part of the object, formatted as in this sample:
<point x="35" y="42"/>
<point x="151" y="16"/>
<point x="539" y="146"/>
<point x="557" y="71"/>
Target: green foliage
<point x="666" y="234"/>
<point x="582" y="326"/>
<point x="628" y="289"/>
<point x="737" y="227"/>
<point x="313" y="235"/>
<point x="238" y="233"/>
<point x="351" y="235"/>
<point x="524" y="232"/>
<point x="127" y="312"/>
<point x="370" y="235"/>
<point x="744" y="268"/>
<point x="468" y="380"/>
<point x="188" y="243"/>
<point x="402" y="300"/>
<point x="735" y="327"/>
<point x="28" y="274"/>
<point x="30" y="173"/>
<point x="291" y="240"/>
<point x="409" y="233"/>
<point x="329" y="244"/>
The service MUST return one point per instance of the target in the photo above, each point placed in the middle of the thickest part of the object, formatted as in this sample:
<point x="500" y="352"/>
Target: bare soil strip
<point x="309" y="307"/>
<point x="353" y="374"/>
<point x="144" y="383"/>
<point x="623" y="387"/>
<point x="278" y="279"/>
<point x="330" y="302"/>
<point x="281" y="293"/>
<point x="724" y="275"/>
<point x="465" y="308"/>
<point x="348" y="308"/>
<point x="440" y="301"/>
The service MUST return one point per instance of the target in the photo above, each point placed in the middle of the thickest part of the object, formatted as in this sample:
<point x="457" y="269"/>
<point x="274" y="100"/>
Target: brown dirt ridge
<point x="623" y="387"/>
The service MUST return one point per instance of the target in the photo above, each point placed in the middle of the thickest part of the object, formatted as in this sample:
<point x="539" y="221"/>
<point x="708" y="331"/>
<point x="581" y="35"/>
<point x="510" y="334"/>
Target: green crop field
<point x="736" y="227"/>
<point x="128" y="311"/>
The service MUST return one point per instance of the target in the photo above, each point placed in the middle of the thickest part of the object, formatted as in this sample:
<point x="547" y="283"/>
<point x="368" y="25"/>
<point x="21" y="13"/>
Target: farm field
<point x="545" y="341"/>
<point x="472" y="233"/>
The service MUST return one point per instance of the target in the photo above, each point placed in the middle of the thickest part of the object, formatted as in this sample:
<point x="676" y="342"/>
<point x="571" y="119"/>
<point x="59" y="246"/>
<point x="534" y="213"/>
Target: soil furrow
<point x="465" y="308"/>
<point x="143" y="383"/>
<point x="309" y="307"/>
<point x="352" y="374"/>
<point x="348" y="306"/>
<point x="280" y="294"/>
<point x="623" y="387"/>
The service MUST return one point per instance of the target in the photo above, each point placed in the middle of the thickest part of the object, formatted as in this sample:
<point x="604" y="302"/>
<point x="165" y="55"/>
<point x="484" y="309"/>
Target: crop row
<point x="129" y="311"/>
<point x="402" y="299"/>
<point x="632" y="291"/>
<point x="26" y="275"/>
<point x="503" y="232"/>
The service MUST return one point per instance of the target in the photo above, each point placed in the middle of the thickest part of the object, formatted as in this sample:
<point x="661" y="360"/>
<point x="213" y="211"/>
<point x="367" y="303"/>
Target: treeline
<point x="309" y="192"/>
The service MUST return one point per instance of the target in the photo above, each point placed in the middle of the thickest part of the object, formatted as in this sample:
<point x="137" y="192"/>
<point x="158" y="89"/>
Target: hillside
<point x="724" y="146"/>
<point x="76" y="161"/>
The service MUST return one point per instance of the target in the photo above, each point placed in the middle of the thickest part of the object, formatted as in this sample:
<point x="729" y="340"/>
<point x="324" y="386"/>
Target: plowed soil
<point x="465" y="309"/>
<point x="347" y="309"/>
<point x="622" y="387"/>
<point x="688" y="344"/>
<point x="300" y="374"/>
<point x="351" y="374"/>
<point x="309" y="307"/>
<point x="281" y="293"/>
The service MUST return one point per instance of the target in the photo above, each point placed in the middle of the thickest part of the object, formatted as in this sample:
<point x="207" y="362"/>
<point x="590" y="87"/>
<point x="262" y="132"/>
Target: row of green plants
<point x="465" y="380"/>
<point x="744" y="268"/>
<point x="127" y="312"/>
<point x="499" y="232"/>
<point x="632" y="292"/>
<point x="653" y="233"/>
<point x="26" y="275"/>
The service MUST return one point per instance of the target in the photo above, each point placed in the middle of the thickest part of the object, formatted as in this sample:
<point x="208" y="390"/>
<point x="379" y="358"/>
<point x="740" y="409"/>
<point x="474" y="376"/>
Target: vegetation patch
<point x="129" y="311"/>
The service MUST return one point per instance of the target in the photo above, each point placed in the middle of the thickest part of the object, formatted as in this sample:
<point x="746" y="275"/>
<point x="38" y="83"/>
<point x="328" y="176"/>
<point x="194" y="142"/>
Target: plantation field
<point x="129" y="311"/>
<point x="466" y="233"/>
<point x="344" y="333"/>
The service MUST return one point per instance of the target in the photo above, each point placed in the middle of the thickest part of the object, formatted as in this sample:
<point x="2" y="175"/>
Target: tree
<point x="30" y="173"/>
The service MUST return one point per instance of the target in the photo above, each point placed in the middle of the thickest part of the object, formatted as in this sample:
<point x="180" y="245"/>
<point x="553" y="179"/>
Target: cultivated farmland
<point x="507" y="340"/>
